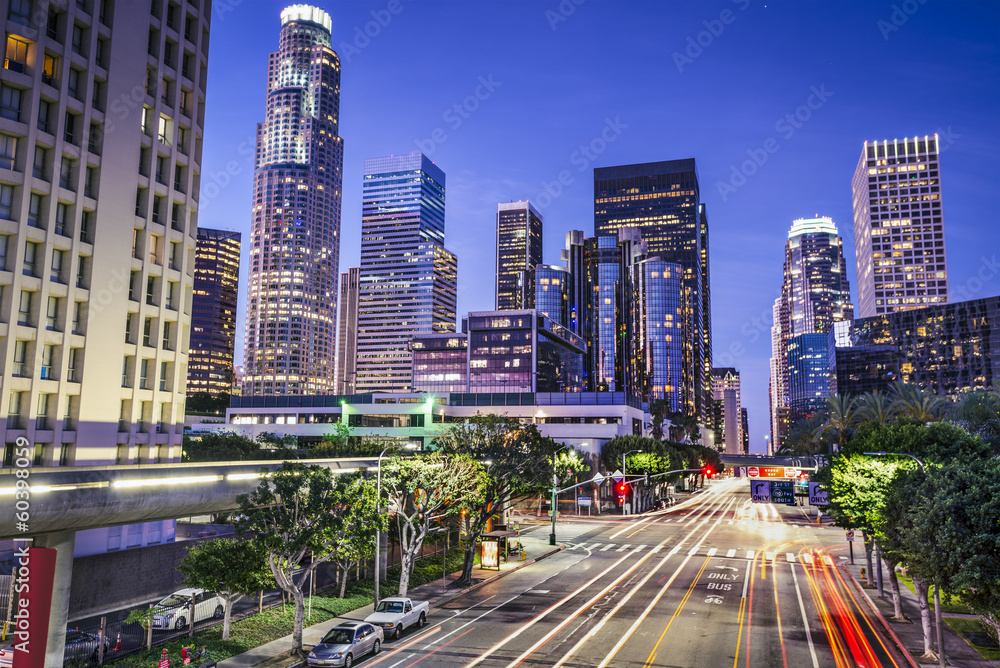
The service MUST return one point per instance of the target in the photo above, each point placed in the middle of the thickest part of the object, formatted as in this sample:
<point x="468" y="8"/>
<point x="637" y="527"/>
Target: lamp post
<point x="937" y="588"/>
<point x="555" y="484"/>
<point x="624" y="455"/>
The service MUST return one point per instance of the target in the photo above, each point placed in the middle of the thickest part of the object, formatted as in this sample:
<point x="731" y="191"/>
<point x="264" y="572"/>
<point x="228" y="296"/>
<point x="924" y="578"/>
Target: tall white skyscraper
<point x="898" y="228"/>
<point x="295" y="245"/>
<point x="409" y="279"/>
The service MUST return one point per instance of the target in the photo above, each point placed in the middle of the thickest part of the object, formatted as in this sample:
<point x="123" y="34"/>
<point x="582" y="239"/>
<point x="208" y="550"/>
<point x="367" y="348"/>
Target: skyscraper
<point x="729" y="427"/>
<point x="898" y="229"/>
<point x="815" y="293"/>
<point x="213" y="312"/>
<point x="552" y="292"/>
<point x="808" y="375"/>
<point x="519" y="250"/>
<point x="663" y="200"/>
<point x="347" y="330"/>
<point x="99" y="228"/>
<point x="409" y="280"/>
<point x="291" y="304"/>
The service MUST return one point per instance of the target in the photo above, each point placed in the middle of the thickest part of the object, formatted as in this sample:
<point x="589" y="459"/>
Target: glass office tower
<point x="409" y="279"/>
<point x="295" y="230"/>
<point x="519" y="250"/>
<point x="213" y="312"/>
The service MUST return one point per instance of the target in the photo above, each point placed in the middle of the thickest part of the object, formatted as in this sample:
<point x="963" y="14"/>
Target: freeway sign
<point x="598" y="478"/>
<point x="760" y="491"/>
<point x="817" y="495"/>
<point x="617" y="475"/>
<point x="783" y="491"/>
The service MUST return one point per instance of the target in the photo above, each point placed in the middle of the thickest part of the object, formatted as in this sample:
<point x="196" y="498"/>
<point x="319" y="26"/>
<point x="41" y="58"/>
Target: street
<point x="713" y="581"/>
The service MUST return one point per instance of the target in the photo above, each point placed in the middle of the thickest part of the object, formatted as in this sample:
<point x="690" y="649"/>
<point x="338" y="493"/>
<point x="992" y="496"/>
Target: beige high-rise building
<point x="347" y="331"/>
<point x="101" y="122"/>
<point x="898" y="228"/>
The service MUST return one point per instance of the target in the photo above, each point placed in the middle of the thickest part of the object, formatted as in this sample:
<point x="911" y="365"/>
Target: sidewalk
<point x="911" y="636"/>
<point x="275" y="654"/>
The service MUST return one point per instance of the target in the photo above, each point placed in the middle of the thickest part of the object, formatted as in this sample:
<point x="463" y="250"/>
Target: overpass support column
<point x="64" y="544"/>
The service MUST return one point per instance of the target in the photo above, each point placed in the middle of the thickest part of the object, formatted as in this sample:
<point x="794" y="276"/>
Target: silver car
<point x="344" y="643"/>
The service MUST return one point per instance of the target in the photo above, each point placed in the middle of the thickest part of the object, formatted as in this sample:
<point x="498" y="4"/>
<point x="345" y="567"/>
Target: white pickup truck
<point x="395" y="614"/>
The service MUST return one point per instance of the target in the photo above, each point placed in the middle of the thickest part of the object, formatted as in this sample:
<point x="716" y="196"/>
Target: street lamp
<point x="378" y="504"/>
<point x="937" y="588"/>
<point x="555" y="484"/>
<point x="623" y="474"/>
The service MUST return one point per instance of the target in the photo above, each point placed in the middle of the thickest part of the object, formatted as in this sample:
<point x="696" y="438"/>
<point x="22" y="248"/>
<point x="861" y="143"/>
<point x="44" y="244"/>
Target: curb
<point x="895" y="639"/>
<point x="493" y="578"/>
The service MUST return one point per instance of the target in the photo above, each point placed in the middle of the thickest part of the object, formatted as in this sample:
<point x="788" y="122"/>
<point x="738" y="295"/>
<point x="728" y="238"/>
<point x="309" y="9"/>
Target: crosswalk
<point x="742" y="521"/>
<point x="731" y="553"/>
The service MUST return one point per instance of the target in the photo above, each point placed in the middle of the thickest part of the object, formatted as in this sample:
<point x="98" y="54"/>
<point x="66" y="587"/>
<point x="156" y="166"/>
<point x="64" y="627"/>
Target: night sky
<point x="544" y="87"/>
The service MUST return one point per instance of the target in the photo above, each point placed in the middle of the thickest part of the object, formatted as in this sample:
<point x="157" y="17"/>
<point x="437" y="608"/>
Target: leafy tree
<point x="520" y="461"/>
<point x="979" y="414"/>
<point x="230" y="567"/>
<point x="220" y="446"/>
<point x="301" y="511"/>
<point x="422" y="489"/>
<point x="275" y="441"/>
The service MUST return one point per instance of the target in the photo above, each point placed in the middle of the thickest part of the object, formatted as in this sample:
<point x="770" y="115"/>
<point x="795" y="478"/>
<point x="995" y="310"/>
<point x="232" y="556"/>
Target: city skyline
<point x="728" y="122"/>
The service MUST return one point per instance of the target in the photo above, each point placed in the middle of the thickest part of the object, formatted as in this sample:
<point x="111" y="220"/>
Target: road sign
<point x="783" y="491"/>
<point x="584" y="500"/>
<point x="598" y="479"/>
<point x="850" y="535"/>
<point x="817" y="495"/>
<point x="760" y="491"/>
<point x="791" y="472"/>
<point x="753" y="471"/>
<point x="617" y="475"/>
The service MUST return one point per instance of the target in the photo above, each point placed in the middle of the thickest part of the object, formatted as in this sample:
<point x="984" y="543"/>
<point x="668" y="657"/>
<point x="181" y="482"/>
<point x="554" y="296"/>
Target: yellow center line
<point x="652" y="655"/>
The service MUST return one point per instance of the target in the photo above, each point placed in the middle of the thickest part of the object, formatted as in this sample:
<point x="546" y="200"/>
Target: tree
<point x="876" y="407"/>
<point x="841" y="417"/>
<point x="520" y="461"/>
<point x="682" y="426"/>
<point x="301" y="511"/>
<point x="979" y="414"/>
<point x="914" y="402"/>
<point x="230" y="567"/>
<point x="219" y="446"/>
<point x="805" y="436"/>
<point x="657" y="412"/>
<point x="422" y="489"/>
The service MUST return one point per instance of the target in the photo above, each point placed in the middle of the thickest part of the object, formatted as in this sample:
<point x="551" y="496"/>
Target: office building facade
<point x="898" y="226"/>
<point x="440" y="362"/>
<point x="553" y="287"/>
<point x="409" y="280"/>
<point x="519" y="251"/>
<point x="347" y="330"/>
<point x="808" y="375"/>
<point x="663" y="201"/>
<point x="213" y="312"/>
<point x="730" y="414"/>
<point x="294" y="256"/>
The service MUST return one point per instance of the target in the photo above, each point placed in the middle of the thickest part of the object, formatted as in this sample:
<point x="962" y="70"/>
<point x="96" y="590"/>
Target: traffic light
<point x="622" y="489"/>
<point x="708" y="472"/>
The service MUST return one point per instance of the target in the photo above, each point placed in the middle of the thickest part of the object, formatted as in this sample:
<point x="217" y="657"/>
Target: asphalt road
<point x="715" y="581"/>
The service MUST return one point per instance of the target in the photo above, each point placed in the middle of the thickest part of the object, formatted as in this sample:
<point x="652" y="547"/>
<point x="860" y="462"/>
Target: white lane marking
<point x="808" y="558"/>
<point x="749" y="554"/>
<point x="827" y="560"/>
<point x="712" y="552"/>
<point x="640" y="548"/>
<point x="790" y="557"/>
<point x="677" y="548"/>
<point x="657" y="548"/>
<point x="693" y="550"/>
<point x="730" y="522"/>
<point x="731" y="553"/>
<point x="623" y="548"/>
<point x="746" y="579"/>
<point x="805" y="620"/>
<point x="630" y="526"/>
<point x="607" y="547"/>
<point x="453" y="632"/>
<point x="769" y="556"/>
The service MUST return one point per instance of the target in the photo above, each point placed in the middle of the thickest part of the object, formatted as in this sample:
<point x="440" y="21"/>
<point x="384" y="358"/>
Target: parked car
<point x="396" y="614"/>
<point x="344" y="643"/>
<point x="84" y="644"/>
<point x="174" y="611"/>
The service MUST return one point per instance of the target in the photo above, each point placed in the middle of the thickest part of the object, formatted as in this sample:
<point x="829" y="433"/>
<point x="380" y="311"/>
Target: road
<point x="715" y="581"/>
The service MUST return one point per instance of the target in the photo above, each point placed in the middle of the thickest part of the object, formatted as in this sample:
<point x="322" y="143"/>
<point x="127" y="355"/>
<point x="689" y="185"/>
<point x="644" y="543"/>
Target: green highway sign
<point x="783" y="491"/>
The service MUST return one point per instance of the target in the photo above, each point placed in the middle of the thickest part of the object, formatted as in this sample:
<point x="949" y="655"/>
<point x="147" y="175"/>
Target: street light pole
<point x="625" y="454"/>
<point x="937" y="588"/>
<point x="555" y="484"/>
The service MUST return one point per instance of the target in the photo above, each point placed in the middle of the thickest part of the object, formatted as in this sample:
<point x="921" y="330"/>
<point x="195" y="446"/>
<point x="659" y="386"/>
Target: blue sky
<point x="712" y="80"/>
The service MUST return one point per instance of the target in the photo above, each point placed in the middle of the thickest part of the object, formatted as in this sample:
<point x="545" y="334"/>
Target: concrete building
<point x="585" y="420"/>
<point x="347" y="334"/>
<point x="409" y="280"/>
<point x="662" y="200"/>
<point x="100" y="166"/>
<point x="727" y="394"/>
<point x="898" y="228"/>
<point x="295" y="251"/>
<point x="522" y="351"/>
<point x="213" y="312"/>
<point x="519" y="251"/>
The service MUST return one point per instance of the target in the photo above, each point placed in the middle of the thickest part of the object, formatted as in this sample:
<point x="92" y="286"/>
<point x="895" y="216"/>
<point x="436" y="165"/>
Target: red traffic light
<point x="622" y="487"/>
<point x="708" y="471"/>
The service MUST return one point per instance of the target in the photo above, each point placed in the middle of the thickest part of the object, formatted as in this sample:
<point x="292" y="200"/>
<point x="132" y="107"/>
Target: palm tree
<point x="657" y="412"/>
<point x="805" y="437"/>
<point x="876" y="407"/>
<point x="979" y="413"/>
<point x="915" y="402"/>
<point x="841" y="416"/>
